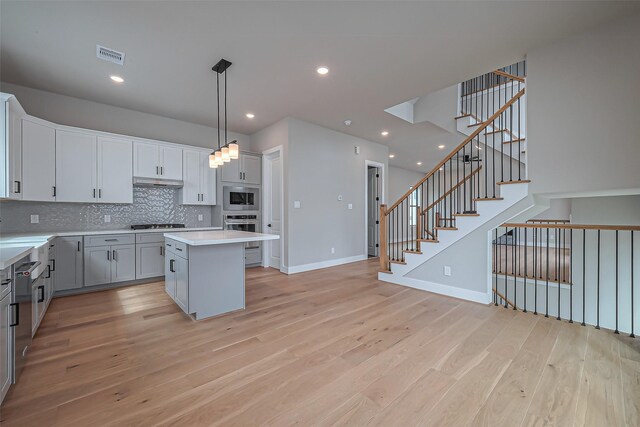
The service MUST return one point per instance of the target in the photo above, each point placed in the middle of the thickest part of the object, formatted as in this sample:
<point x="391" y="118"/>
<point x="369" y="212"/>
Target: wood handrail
<point x="575" y="226"/>
<point x="509" y="76"/>
<point x="458" y="148"/>
<point x="558" y="221"/>
<point x="452" y="189"/>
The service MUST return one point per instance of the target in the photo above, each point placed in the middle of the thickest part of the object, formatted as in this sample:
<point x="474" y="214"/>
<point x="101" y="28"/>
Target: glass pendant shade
<point x="225" y="155"/>
<point x="218" y="154"/>
<point x="212" y="161"/>
<point x="234" y="151"/>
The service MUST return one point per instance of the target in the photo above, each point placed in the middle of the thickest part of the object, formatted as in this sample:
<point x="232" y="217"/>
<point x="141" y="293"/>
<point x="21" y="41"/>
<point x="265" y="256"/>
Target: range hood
<point x="155" y="182"/>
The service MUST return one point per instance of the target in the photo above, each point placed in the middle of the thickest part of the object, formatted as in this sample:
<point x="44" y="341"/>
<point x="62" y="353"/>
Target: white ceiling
<point x="379" y="54"/>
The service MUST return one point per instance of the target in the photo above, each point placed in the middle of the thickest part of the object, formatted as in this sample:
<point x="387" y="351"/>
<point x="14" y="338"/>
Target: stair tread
<point x="397" y="262"/>
<point x="412" y="252"/>
<point x="482" y="199"/>
<point x="467" y="214"/>
<point x="445" y="228"/>
<point x="521" y="181"/>
<point x="429" y="240"/>
<point x="514" y="141"/>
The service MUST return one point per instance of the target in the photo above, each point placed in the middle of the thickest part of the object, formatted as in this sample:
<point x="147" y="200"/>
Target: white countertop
<point x="221" y="237"/>
<point x="17" y="245"/>
<point x="9" y="254"/>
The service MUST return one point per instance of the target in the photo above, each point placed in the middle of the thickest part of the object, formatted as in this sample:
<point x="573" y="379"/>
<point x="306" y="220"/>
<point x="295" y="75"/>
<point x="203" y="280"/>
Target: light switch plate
<point x="35" y="219"/>
<point x="107" y="218"/>
<point x="350" y="206"/>
<point x="200" y="218"/>
<point x="296" y="204"/>
<point x="447" y="270"/>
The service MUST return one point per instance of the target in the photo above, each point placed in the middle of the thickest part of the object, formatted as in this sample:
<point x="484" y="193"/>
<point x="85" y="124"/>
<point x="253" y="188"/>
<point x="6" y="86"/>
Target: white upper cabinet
<point x="10" y="147"/>
<point x="76" y="174"/>
<point x="38" y="161"/>
<point x="115" y="170"/>
<point x="199" y="179"/>
<point x="156" y="161"/>
<point x="247" y="169"/>
<point x="171" y="166"/>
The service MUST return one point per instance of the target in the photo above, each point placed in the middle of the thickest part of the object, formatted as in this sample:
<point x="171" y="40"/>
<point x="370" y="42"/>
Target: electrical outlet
<point x="350" y="206"/>
<point x="333" y="250"/>
<point x="200" y="217"/>
<point x="107" y="218"/>
<point x="447" y="270"/>
<point x="339" y="197"/>
<point x="35" y="219"/>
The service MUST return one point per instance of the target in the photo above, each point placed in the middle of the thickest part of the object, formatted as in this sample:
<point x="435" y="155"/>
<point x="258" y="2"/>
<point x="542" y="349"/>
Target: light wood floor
<point x="330" y="347"/>
<point x="558" y="269"/>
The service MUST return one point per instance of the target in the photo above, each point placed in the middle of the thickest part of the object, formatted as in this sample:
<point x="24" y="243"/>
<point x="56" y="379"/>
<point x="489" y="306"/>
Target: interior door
<point x="115" y="170"/>
<point x="38" y="161"/>
<point x="274" y="209"/>
<point x="192" y="177"/>
<point x="76" y="163"/>
<point x="373" y="203"/>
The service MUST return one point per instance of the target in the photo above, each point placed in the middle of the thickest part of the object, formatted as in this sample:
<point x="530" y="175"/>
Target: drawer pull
<point x="110" y="240"/>
<point x="178" y="249"/>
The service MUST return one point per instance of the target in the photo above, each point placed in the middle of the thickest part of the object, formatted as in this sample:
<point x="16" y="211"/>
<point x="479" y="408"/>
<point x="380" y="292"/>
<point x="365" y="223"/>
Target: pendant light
<point x="230" y="150"/>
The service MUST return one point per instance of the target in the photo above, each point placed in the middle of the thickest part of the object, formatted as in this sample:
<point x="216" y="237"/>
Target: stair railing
<point x="581" y="273"/>
<point x="471" y="172"/>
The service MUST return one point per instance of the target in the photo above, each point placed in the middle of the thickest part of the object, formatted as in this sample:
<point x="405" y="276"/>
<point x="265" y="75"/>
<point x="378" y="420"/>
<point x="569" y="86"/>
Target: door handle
<point x="171" y="264"/>
<point x="16" y="187"/>
<point x="269" y="225"/>
<point x="41" y="290"/>
<point x="114" y="256"/>
<point x="16" y="318"/>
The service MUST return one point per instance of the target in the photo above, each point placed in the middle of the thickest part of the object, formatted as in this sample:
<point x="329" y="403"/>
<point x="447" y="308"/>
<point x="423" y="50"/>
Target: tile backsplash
<point x="150" y="205"/>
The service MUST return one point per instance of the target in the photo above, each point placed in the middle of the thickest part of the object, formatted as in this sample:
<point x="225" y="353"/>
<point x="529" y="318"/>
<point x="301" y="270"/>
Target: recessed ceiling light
<point x="250" y="115"/>
<point x="322" y="70"/>
<point x="117" y="79"/>
<point x="441" y="146"/>
<point x="384" y="133"/>
<point x="391" y="156"/>
<point x="419" y="163"/>
<point x="347" y="122"/>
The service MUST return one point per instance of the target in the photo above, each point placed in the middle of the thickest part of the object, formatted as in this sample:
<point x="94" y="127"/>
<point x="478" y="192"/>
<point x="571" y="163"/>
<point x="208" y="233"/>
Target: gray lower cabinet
<point x="6" y="345"/>
<point x="150" y="259"/>
<point x="109" y="264"/>
<point x="177" y="274"/>
<point x="68" y="263"/>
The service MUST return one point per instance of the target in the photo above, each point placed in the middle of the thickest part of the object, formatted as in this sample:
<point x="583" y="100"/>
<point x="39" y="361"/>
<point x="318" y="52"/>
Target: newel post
<point x="382" y="250"/>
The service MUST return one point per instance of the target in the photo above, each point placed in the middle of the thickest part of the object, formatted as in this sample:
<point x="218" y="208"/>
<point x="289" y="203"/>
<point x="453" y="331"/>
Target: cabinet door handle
<point x="100" y="193"/>
<point x="161" y="171"/>
<point x="54" y="191"/>
<point x="241" y="175"/>
<point x="157" y="170"/>
<point x="171" y="263"/>
<point x="78" y="245"/>
<point x="114" y="256"/>
<point x="41" y="296"/>
<point x="94" y="193"/>
<point x="48" y="272"/>
<point x="108" y="255"/>
<point x="17" y="186"/>
<point x="16" y="316"/>
<point x="53" y="268"/>
<point x="162" y="250"/>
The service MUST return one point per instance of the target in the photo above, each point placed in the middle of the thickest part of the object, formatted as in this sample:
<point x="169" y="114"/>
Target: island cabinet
<point x="177" y="275"/>
<point x="6" y="344"/>
<point x="150" y="255"/>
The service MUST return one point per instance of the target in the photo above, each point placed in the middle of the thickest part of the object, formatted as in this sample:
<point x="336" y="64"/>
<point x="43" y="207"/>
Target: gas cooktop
<point x="150" y="226"/>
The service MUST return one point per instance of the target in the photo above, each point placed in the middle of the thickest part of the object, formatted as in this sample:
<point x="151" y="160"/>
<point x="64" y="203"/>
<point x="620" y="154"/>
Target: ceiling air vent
<point x="109" y="55"/>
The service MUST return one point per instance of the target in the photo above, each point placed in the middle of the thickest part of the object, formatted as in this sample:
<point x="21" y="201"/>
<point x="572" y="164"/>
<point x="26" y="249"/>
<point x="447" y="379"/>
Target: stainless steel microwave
<point x="241" y="198"/>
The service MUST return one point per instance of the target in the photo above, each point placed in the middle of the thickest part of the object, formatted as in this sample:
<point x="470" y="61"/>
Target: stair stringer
<point x="487" y="209"/>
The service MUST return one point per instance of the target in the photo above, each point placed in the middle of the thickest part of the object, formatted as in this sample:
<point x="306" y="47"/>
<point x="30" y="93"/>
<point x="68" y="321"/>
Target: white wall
<point x="323" y="165"/>
<point x="619" y="210"/>
<point x="439" y="108"/>
<point x="66" y="110"/>
<point x="583" y="103"/>
<point x="399" y="182"/>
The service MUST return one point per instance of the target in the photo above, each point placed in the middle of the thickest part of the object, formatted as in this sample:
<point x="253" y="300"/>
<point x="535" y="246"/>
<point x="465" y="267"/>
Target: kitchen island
<point x="204" y="270"/>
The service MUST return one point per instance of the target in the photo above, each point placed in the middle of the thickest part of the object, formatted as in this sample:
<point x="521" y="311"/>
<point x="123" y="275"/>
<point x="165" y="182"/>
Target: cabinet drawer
<point x="178" y="248"/>
<point x="252" y="256"/>
<point x="5" y="282"/>
<point x="150" y="238"/>
<point x="109" y="239"/>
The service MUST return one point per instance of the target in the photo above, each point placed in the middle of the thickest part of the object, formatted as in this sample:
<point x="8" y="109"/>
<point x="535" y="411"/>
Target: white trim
<point x="267" y="203"/>
<point x="379" y="165"/>
<point x="437" y="288"/>
<point x="323" y="264"/>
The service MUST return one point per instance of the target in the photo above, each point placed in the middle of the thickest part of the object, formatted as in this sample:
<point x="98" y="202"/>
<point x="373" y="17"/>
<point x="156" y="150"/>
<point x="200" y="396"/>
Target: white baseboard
<point x="437" y="288"/>
<point x="323" y="264"/>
